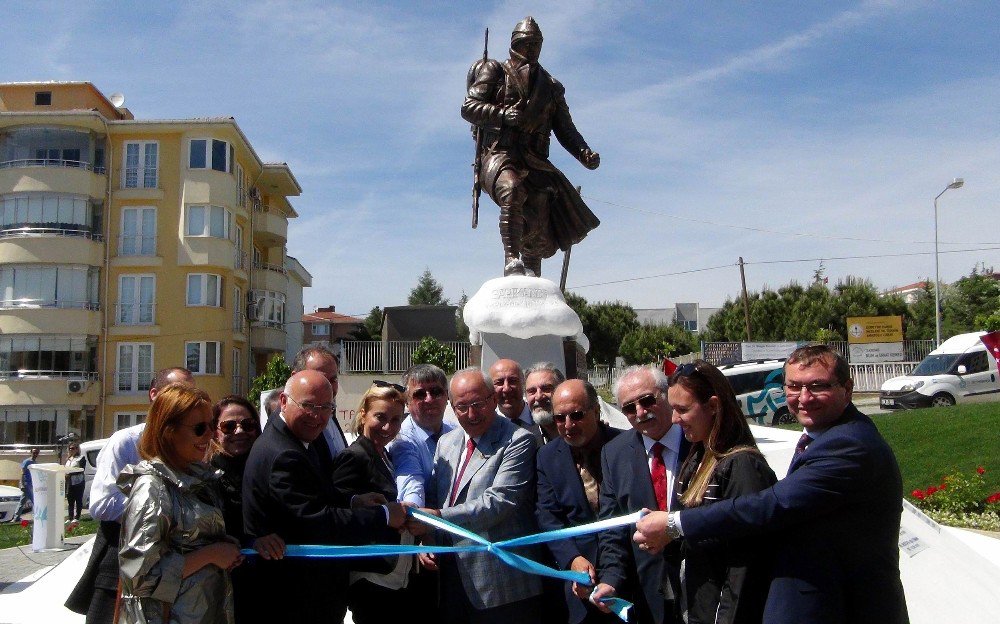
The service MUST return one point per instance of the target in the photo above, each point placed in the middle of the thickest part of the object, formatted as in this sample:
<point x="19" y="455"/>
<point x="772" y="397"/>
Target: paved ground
<point x="19" y="562"/>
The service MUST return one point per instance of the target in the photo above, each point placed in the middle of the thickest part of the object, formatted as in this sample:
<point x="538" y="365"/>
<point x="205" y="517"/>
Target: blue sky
<point x="783" y="132"/>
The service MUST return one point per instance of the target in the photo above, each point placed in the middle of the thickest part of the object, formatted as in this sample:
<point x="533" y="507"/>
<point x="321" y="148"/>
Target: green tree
<point x="810" y="312"/>
<point x="275" y="374"/>
<point x="371" y="328"/>
<point x="460" y="327"/>
<point x="920" y="323"/>
<point x="433" y="351"/>
<point x="649" y="344"/>
<point x="855" y="296"/>
<point x="977" y="294"/>
<point x="605" y="324"/>
<point x="427" y="291"/>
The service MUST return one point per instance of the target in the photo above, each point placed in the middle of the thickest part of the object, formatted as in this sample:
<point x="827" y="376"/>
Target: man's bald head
<point x="307" y="404"/>
<point x="508" y="382"/>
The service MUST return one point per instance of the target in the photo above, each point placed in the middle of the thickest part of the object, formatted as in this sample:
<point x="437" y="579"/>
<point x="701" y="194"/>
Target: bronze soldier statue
<point x="514" y="106"/>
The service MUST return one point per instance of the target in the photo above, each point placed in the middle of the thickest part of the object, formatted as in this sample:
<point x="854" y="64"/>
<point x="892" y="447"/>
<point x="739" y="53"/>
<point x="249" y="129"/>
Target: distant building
<point x="328" y="326"/>
<point x="692" y="316"/>
<point x="909" y="293"/>
<point x="413" y="322"/>
<point x="127" y="246"/>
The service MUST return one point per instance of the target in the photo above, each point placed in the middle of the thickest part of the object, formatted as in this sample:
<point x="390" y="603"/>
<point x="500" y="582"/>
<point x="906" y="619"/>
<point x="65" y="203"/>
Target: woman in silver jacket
<point x="175" y="556"/>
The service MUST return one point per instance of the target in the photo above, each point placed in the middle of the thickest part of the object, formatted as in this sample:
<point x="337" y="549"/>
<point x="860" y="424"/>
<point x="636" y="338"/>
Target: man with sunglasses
<point x="835" y="518"/>
<point x="569" y="484"/>
<point x="638" y="468"/>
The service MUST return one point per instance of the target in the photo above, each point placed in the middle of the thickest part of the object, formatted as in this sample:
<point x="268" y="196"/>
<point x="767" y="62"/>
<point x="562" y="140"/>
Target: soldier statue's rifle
<point x="477" y="187"/>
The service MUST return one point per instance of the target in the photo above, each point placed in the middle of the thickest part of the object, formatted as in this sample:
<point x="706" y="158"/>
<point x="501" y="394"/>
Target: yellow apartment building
<point x="127" y="246"/>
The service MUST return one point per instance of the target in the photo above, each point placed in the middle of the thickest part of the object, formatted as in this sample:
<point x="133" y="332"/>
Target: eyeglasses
<point x="463" y="408"/>
<point x="576" y="416"/>
<point x="420" y="393"/>
<point x="646" y="401"/>
<point x="246" y="424"/>
<point x="378" y="383"/>
<point x="312" y="407"/>
<point x="200" y="429"/>
<point x="817" y="387"/>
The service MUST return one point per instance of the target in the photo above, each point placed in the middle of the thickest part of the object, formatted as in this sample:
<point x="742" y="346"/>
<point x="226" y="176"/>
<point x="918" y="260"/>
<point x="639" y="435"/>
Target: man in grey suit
<point x="484" y="480"/>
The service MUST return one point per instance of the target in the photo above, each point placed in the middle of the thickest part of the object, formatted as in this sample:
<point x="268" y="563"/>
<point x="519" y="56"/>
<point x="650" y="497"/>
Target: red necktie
<point x="469" y="447"/>
<point x="803" y="443"/>
<point x="659" y="475"/>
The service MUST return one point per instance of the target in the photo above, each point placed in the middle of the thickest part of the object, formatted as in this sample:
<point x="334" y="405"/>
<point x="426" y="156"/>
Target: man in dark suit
<point x="484" y="480"/>
<point x="508" y="382"/>
<point x="287" y="491"/>
<point x="569" y="483"/>
<point x="835" y="516"/>
<point x="639" y="468"/>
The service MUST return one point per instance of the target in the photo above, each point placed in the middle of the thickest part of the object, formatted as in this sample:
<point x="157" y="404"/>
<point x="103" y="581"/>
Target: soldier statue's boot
<point x="511" y="231"/>
<point x="532" y="265"/>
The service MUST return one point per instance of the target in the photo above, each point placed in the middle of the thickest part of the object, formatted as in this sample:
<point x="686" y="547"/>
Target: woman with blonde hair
<point x="175" y="556"/>
<point x="722" y="581"/>
<point x="376" y="594"/>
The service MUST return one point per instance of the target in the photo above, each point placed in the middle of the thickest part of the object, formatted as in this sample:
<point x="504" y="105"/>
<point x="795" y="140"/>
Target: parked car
<point x="89" y="450"/>
<point x="760" y="389"/>
<point x="9" y="498"/>
<point x="961" y="370"/>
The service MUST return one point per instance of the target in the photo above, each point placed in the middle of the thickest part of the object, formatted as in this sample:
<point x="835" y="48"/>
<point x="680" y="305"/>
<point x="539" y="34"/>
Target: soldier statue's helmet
<point x="526" y="29"/>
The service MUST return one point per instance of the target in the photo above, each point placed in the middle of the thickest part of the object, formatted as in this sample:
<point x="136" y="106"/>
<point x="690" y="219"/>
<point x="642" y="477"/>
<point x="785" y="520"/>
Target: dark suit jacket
<point x="286" y="491"/>
<point x="647" y="579"/>
<point x="836" y="517"/>
<point x="562" y="503"/>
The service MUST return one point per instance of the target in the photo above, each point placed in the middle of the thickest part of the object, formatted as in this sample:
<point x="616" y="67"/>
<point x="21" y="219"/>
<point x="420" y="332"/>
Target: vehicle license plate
<point x="887" y="402"/>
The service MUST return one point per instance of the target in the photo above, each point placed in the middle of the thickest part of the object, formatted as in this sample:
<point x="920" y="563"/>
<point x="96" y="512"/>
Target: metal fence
<point x="731" y="352"/>
<point x="870" y="377"/>
<point x="370" y="356"/>
<point x="603" y="376"/>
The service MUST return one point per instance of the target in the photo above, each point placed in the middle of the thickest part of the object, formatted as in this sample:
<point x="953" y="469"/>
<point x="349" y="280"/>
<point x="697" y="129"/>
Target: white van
<point x="760" y="390"/>
<point x="961" y="370"/>
<point x="89" y="450"/>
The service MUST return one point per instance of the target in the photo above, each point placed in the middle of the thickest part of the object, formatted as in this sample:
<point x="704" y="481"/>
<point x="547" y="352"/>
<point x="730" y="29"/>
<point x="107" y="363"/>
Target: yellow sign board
<point x="868" y="329"/>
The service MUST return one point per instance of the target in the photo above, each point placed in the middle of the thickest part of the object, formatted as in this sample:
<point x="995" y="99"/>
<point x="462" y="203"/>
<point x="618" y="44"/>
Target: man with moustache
<point x="287" y="491"/>
<point x="569" y="484"/>
<point x="508" y="382"/>
<point x="540" y="381"/>
<point x="638" y="468"/>
<point x="484" y="480"/>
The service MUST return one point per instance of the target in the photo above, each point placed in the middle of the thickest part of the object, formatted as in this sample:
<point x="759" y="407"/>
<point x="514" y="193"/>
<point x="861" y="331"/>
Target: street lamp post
<point x="956" y="183"/>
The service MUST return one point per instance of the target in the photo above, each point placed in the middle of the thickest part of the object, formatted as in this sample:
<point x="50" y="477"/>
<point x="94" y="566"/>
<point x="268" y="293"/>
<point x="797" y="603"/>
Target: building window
<point x="213" y="221"/>
<point x="691" y="326"/>
<point x="28" y="356"/>
<point x="124" y="420"/>
<point x="237" y="373"/>
<point x="136" y="300"/>
<point x="204" y="289"/>
<point x="27" y="286"/>
<point x="33" y="213"/>
<point x="141" y="159"/>
<point x="43" y="98"/>
<point x="270" y="307"/>
<point x="135" y="367"/>
<point x="241" y="186"/>
<point x="44" y="425"/>
<point x="138" y="237"/>
<point x="203" y="358"/>
<point x="320" y="329"/>
<point x="210" y="153"/>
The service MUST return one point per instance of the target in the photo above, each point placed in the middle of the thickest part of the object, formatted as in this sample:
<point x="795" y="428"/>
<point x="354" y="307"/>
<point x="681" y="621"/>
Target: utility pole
<point x="746" y="301"/>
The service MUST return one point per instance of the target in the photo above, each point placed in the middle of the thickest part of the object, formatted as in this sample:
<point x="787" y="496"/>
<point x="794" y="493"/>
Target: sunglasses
<point x="200" y="429"/>
<point x="378" y="383"/>
<point x="420" y="394"/>
<point x="686" y="370"/>
<point x="646" y="401"/>
<point x="246" y="424"/>
<point x="576" y="416"/>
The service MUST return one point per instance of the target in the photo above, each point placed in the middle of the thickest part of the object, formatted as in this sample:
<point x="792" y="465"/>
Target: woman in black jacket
<point x="722" y="581"/>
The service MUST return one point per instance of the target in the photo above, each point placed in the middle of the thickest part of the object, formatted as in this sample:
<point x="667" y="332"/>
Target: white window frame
<point x="135" y="387"/>
<point x="320" y="329"/>
<point x="206" y="228"/>
<point x="141" y="211"/>
<point x="208" y="154"/>
<point x="146" y="175"/>
<point x="204" y="365"/>
<point x="241" y="186"/>
<point x="203" y="290"/>
<point x="131" y="419"/>
<point x="135" y="315"/>
<point x="236" y="372"/>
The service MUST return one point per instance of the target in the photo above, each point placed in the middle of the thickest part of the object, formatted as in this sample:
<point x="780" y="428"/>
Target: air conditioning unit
<point x="77" y="386"/>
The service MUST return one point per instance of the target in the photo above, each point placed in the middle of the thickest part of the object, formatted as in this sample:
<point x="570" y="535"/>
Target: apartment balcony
<point x="240" y="327"/>
<point x="30" y="387"/>
<point x="205" y="251"/>
<point x="49" y="317"/>
<point x="53" y="176"/>
<point x="241" y="263"/>
<point x="268" y="336"/>
<point x="270" y="277"/>
<point x="270" y="227"/>
<point x="57" y="245"/>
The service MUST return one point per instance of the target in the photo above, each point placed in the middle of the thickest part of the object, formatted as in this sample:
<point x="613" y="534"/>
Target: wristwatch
<point x="673" y="529"/>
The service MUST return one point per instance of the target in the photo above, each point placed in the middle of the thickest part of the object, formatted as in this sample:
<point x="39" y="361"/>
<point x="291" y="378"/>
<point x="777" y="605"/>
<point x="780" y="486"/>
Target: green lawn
<point x="930" y="443"/>
<point x="16" y="535"/>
